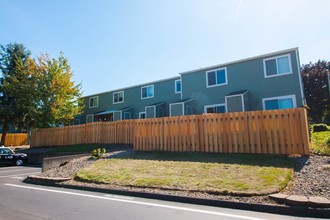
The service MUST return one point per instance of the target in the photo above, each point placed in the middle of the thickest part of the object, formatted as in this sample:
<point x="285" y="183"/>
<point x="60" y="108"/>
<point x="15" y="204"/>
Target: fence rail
<point x="261" y="132"/>
<point x="16" y="139"/>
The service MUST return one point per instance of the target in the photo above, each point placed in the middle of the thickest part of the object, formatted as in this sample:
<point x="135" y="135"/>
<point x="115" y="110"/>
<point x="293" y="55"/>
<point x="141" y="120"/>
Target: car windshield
<point x="6" y="151"/>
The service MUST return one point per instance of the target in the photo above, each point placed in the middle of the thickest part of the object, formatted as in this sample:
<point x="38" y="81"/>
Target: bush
<point x="327" y="142"/>
<point x="321" y="143"/>
<point x="97" y="153"/>
<point x="320" y="127"/>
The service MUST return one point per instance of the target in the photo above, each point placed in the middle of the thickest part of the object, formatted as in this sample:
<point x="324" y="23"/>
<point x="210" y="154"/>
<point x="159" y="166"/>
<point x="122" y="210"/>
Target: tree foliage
<point x="35" y="93"/>
<point x="15" y="86"/>
<point x="59" y="100"/>
<point x="316" y="88"/>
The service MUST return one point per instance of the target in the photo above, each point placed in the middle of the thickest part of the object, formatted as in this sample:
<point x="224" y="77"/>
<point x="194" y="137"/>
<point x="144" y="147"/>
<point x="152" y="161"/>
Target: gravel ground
<point x="311" y="178"/>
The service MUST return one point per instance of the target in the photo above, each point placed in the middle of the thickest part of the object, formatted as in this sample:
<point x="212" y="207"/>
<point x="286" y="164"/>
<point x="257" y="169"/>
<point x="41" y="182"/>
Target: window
<point x="142" y="115"/>
<point x="118" y="97"/>
<point x="147" y="92"/>
<point x="89" y="118"/>
<point x="277" y="66"/>
<point x="216" y="77"/>
<point x="94" y="102"/>
<point x="281" y="102"/>
<point x="219" y="108"/>
<point x="178" y="86"/>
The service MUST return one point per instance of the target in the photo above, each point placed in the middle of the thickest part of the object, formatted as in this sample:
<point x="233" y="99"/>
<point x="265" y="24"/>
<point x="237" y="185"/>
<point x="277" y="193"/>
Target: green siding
<point x="164" y="91"/>
<point x="234" y="104"/>
<point x="150" y="112"/>
<point x="176" y="109"/>
<point x="241" y="75"/>
<point x="247" y="75"/>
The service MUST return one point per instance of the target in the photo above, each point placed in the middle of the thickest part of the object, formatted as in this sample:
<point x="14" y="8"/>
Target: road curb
<point x="273" y="209"/>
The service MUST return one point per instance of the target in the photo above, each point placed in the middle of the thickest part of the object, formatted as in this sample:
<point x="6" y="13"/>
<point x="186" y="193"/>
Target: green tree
<point x="316" y="88"/>
<point x="58" y="103"/>
<point x="35" y="93"/>
<point x="16" y="85"/>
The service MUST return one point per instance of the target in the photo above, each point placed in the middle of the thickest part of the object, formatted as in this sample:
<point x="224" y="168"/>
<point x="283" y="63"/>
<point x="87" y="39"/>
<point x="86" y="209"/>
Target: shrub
<point x="97" y="153"/>
<point x="320" y="127"/>
<point x="321" y="143"/>
<point x="327" y="142"/>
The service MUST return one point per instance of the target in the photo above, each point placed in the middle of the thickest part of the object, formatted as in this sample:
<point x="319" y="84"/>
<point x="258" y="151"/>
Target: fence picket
<point x="267" y="132"/>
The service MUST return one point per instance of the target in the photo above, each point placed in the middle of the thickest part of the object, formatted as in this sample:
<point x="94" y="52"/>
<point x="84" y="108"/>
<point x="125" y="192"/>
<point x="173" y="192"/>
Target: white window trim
<point x="140" y="113"/>
<point x="180" y="103"/>
<point x="300" y="81"/>
<point x="89" y="116"/>
<point x="277" y="74"/>
<point x="293" y="97"/>
<point x="120" y="114"/>
<point x="215" y="105"/>
<point x="176" y="91"/>
<point x="214" y="70"/>
<point x="242" y="97"/>
<point x="153" y="106"/>
<point x="181" y="93"/>
<point x="153" y="91"/>
<point x="89" y="102"/>
<point x="113" y="97"/>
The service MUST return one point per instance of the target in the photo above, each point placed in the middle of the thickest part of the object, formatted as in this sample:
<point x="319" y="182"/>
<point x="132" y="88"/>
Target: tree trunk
<point x="5" y="129"/>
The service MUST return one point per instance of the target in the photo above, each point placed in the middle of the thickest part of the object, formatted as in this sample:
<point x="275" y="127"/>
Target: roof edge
<point x="241" y="60"/>
<point x="129" y="87"/>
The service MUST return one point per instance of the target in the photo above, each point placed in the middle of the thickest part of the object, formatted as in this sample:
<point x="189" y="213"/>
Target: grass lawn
<point x="319" y="143"/>
<point x="215" y="173"/>
<point x="87" y="148"/>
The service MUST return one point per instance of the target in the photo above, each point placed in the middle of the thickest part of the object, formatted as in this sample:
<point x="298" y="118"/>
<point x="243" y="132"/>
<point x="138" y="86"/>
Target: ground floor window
<point x="142" y="115"/>
<point x="281" y="102"/>
<point x="218" y="108"/>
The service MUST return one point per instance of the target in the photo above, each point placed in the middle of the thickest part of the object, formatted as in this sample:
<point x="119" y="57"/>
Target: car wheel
<point x="19" y="162"/>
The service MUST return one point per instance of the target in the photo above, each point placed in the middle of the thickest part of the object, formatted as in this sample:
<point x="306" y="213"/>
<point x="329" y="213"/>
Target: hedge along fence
<point x="261" y="132"/>
<point x="16" y="139"/>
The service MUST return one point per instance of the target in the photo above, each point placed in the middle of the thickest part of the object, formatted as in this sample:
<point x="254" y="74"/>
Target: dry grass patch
<point x="214" y="173"/>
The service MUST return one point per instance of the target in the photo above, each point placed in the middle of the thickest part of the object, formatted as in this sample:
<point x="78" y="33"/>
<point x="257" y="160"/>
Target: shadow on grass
<point x="241" y="159"/>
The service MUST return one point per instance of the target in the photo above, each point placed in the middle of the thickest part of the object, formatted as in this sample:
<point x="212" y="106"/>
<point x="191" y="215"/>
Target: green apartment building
<point x="270" y="81"/>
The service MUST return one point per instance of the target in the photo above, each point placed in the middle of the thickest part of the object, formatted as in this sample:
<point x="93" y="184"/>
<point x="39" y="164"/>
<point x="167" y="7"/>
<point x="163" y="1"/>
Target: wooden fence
<point x="90" y="133"/>
<point x="261" y="132"/>
<point x="16" y="139"/>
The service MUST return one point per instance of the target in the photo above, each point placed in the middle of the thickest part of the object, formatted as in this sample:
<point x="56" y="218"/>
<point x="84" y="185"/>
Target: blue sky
<point x="115" y="44"/>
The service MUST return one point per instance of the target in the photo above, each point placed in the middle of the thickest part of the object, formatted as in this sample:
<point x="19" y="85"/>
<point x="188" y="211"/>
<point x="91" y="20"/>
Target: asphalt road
<point x="25" y="201"/>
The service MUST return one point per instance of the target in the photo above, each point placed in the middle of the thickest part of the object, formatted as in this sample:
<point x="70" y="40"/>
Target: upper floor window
<point x="147" y="92"/>
<point x="178" y="86"/>
<point x="276" y="66"/>
<point x="219" y="108"/>
<point x="216" y="77"/>
<point x="94" y="102"/>
<point x="118" y="97"/>
<point x="281" y="102"/>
